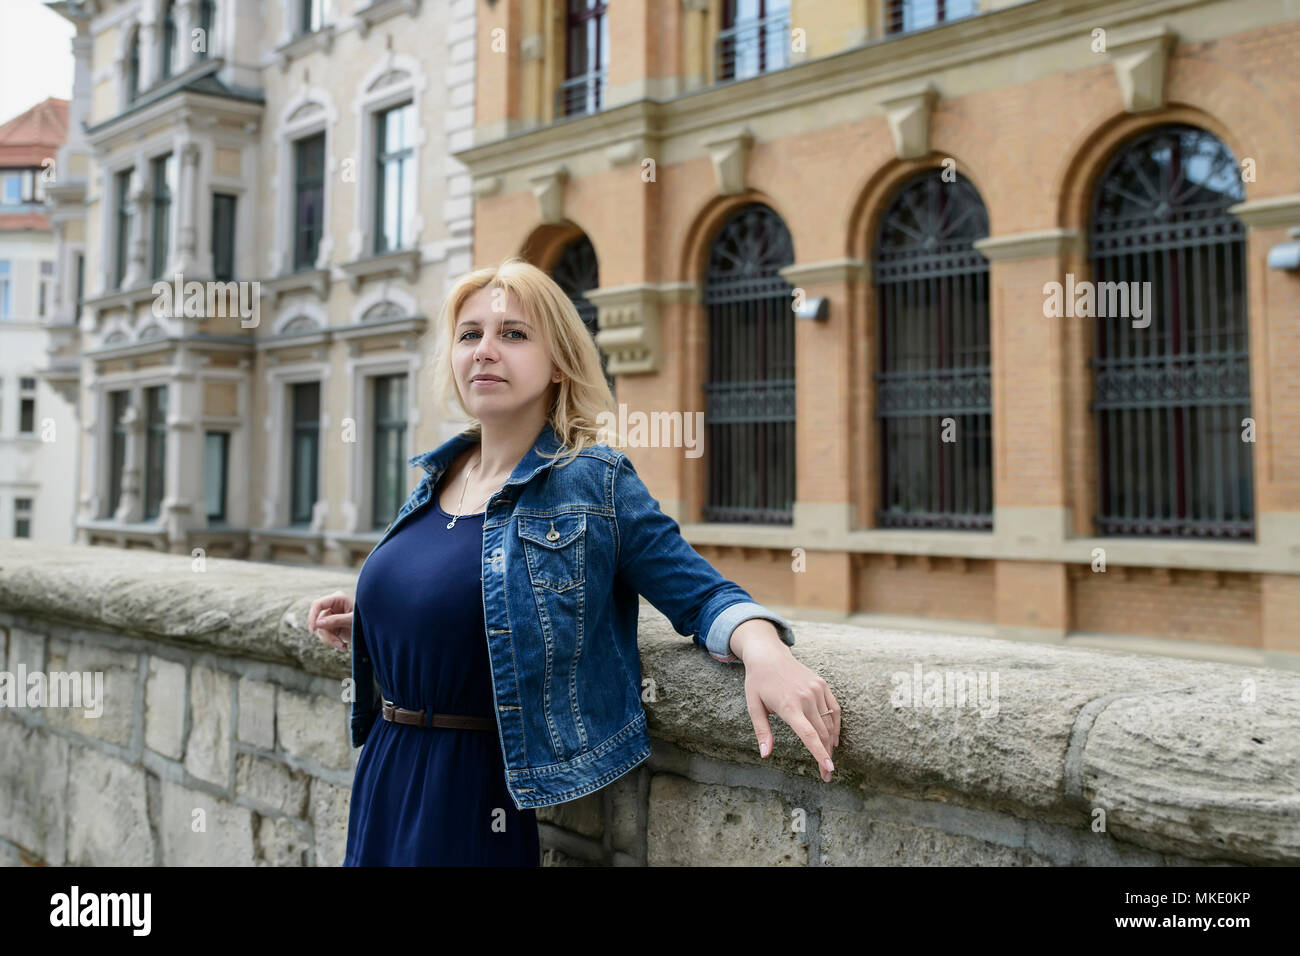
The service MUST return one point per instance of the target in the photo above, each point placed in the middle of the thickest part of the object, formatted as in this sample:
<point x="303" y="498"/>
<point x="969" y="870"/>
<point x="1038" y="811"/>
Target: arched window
<point x="167" y="64"/>
<point x="749" y="396"/>
<point x="933" y="383"/>
<point x="577" y="272"/>
<point x="1171" y="360"/>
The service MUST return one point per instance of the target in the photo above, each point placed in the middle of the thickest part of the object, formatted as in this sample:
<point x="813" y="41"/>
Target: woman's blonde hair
<point x="580" y="396"/>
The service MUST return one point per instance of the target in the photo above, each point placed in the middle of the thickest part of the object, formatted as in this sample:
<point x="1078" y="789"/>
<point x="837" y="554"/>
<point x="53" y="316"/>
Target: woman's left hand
<point x="777" y="684"/>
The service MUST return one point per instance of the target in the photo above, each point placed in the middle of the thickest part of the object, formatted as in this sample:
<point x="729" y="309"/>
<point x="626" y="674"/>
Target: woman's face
<point x="495" y="340"/>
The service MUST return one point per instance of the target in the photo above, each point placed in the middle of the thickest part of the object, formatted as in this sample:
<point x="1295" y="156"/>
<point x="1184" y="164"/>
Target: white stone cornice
<point x="1036" y="244"/>
<point x="548" y="187"/>
<point x="1141" y="58"/>
<point x="908" y="112"/>
<point x="730" y="155"/>
<point x="832" y="271"/>
<point x="1270" y="212"/>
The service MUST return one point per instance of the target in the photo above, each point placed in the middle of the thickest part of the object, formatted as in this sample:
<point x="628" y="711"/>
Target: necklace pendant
<point x="451" y="523"/>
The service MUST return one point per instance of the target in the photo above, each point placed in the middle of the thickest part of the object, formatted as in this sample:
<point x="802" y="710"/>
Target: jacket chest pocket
<point x="553" y="548"/>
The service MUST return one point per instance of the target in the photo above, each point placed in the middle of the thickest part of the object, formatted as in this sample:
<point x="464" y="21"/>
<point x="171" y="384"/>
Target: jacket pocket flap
<point x="566" y="528"/>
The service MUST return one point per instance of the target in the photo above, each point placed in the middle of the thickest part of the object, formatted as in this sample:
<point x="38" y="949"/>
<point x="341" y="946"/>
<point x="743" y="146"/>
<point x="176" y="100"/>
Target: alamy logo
<point x="946" y="688"/>
<point x="654" y="430"/>
<point x="102" y="909"/>
<point x="1087" y="300"/>
<point x="215" y="300"/>
<point x="58" y="689"/>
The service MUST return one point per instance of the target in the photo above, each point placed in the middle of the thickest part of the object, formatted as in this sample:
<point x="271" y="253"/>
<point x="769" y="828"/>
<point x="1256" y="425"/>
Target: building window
<point x="125" y="213"/>
<point x="311" y="15"/>
<point x="394" y="182"/>
<point x="20" y="187"/>
<point x="168" y="63"/>
<point x="305" y="447"/>
<point x="223" y="237"/>
<point x="163" y="174"/>
<point x="904" y="16"/>
<point x="118" y="402"/>
<point x="309" y="207"/>
<point x="27" y="406"/>
<point x="755" y="38"/>
<point x="6" y="289"/>
<point x="22" y="517"/>
<point x="750" y="392"/>
<point x="585" y="58"/>
<point x="155" y="462"/>
<point x="81" y="281"/>
<point x="390" y="447"/>
<point x="1172" y="378"/>
<point x="11" y="188"/>
<point x="576" y="272"/>
<point x="216" y="450"/>
<point x="44" y="288"/>
<point x="133" y="68"/>
<point x="207" y="19"/>
<point x="933" y="379"/>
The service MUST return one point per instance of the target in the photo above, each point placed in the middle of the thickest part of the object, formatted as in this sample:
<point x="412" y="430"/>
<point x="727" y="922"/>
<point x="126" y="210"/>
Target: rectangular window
<point x="216" y="448"/>
<point x="207" y="17"/>
<point x="585" y="59"/>
<point x="125" y="212"/>
<point x="117" y="406"/>
<point x="170" y="60"/>
<point x="395" y="176"/>
<point x="163" y="177"/>
<point x="22" y="517"/>
<point x="155" y="403"/>
<point x="755" y="38"/>
<point x="305" y="447"/>
<point x="11" y="188"/>
<point x="81" y="282"/>
<point x="309" y="200"/>
<point x="6" y="289"/>
<point x="312" y="15"/>
<point x="26" y="405"/>
<point x="904" y="16"/>
<point x="223" y="237"/>
<point x="44" y="288"/>
<point x="389" y="430"/>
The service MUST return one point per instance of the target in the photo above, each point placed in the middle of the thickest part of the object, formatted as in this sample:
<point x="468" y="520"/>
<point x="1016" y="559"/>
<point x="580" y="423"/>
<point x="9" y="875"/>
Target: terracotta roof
<point x="31" y="136"/>
<point x="10" y="222"/>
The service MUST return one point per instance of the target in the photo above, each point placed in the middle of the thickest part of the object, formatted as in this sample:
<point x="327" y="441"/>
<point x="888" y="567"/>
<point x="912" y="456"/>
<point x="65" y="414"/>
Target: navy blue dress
<point x="432" y="796"/>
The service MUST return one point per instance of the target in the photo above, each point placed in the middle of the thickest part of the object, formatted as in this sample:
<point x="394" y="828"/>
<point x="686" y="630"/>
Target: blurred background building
<point x="38" y="424"/>
<point x="830" y="225"/>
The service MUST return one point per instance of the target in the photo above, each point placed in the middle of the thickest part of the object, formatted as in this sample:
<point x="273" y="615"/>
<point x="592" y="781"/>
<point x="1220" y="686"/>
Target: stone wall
<point x="216" y="699"/>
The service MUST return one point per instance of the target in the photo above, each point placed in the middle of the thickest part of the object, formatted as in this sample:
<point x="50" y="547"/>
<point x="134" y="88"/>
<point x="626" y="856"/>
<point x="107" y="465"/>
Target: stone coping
<point x="1189" y="757"/>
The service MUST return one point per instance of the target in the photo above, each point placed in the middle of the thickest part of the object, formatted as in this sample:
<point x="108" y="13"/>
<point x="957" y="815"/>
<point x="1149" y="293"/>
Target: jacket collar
<point x="435" y="462"/>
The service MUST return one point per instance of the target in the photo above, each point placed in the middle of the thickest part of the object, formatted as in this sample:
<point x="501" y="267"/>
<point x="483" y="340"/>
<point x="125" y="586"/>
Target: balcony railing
<point x="906" y="16"/>
<point x="752" y="47"/>
<point x="581" y="94"/>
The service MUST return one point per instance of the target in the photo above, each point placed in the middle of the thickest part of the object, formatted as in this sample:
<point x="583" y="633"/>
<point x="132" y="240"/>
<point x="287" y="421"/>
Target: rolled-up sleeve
<point x="654" y="558"/>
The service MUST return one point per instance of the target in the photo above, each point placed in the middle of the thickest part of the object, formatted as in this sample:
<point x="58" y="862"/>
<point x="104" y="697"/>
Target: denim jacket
<point x="565" y="553"/>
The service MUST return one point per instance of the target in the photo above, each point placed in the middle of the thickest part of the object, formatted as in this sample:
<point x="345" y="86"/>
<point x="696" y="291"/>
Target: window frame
<point x="314" y="427"/>
<point x="154" y="485"/>
<point x="404" y="158"/>
<point x="379" y="521"/>
<point x="298" y="262"/>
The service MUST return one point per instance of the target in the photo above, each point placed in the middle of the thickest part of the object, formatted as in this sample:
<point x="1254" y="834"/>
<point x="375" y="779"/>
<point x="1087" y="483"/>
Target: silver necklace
<point x="459" y="507"/>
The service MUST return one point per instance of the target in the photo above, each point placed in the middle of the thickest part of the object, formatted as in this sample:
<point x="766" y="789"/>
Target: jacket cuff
<point x="718" y="640"/>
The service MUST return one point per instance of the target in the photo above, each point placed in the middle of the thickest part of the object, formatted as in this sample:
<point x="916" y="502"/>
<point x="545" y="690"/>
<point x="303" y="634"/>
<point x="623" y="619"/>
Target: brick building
<point x="833" y="227"/>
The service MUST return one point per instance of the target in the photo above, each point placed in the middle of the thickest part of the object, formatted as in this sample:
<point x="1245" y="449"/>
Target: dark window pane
<point x="389" y="430"/>
<point x="223" y="237"/>
<point x="305" y="448"/>
<point x="216" y="446"/>
<point x="155" y="399"/>
<point x="309" y="205"/>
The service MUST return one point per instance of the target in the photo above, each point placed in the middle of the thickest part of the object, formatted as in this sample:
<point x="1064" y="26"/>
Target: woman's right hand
<point x="331" y="618"/>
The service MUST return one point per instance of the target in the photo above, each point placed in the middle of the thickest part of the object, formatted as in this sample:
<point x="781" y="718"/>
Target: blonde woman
<point x="498" y="612"/>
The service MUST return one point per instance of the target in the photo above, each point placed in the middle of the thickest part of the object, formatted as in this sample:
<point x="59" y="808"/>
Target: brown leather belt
<point x="421" y="718"/>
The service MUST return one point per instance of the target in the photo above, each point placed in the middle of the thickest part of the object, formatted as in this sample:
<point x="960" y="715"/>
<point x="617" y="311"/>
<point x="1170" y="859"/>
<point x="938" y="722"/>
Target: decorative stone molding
<point x="730" y="155"/>
<point x="404" y="263"/>
<point x="548" y="187"/>
<point x="1038" y="244"/>
<point x="629" y="327"/>
<point x="695" y="6"/>
<point x="831" y="272"/>
<point x="322" y="40"/>
<point x="531" y="47"/>
<point x="908" y="113"/>
<point x="487" y="186"/>
<point x="1140" y="59"/>
<point x="382" y="10"/>
<point x="628" y="151"/>
<point x="1268" y="213"/>
<point x="310" y="280"/>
